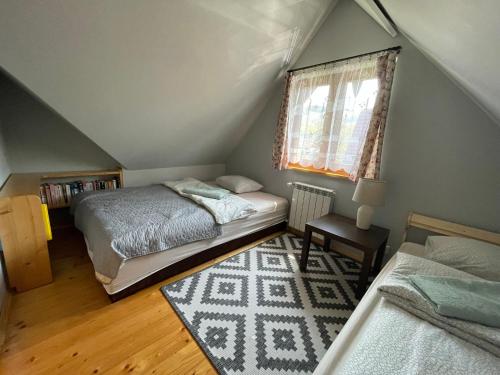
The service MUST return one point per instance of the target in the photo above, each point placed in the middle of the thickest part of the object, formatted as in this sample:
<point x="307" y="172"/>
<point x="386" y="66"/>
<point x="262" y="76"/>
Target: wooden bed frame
<point x="195" y="260"/>
<point x="449" y="228"/>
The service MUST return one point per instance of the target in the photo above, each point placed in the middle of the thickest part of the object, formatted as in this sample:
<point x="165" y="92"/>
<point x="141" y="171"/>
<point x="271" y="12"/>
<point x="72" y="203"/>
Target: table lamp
<point x="369" y="193"/>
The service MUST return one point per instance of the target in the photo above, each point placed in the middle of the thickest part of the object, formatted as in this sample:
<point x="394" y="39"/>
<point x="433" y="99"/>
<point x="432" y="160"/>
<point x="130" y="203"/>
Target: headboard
<point x="450" y="229"/>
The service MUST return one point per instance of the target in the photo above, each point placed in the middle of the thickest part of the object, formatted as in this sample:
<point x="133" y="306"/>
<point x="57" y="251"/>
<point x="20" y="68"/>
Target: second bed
<point x="382" y="338"/>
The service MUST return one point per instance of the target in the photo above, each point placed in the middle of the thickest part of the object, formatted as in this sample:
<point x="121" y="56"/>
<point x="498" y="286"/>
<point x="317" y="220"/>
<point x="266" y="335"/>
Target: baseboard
<point x="4" y="317"/>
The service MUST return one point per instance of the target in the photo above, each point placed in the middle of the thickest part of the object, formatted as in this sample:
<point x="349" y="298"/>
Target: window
<point x="333" y="117"/>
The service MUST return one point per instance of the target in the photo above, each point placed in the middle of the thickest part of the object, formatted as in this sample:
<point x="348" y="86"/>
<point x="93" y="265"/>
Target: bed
<point x="382" y="338"/>
<point x="135" y="273"/>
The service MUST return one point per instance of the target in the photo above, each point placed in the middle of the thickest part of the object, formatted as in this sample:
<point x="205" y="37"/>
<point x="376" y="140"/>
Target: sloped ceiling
<point x="460" y="36"/>
<point x="156" y="83"/>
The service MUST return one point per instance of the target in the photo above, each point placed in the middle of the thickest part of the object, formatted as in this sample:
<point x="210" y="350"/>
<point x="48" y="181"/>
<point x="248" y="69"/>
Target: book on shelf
<point x="43" y="195"/>
<point x="60" y="194"/>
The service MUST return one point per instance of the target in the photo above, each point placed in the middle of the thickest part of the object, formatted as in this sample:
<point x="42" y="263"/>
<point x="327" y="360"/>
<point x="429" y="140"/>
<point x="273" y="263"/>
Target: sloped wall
<point x="4" y="163"/>
<point x="38" y="140"/>
<point x="441" y="153"/>
<point x="4" y="174"/>
<point x="156" y="83"/>
<point x="461" y="37"/>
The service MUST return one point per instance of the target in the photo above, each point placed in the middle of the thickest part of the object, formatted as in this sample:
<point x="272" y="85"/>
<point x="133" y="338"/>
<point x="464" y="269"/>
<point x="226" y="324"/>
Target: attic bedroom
<point x="235" y="187"/>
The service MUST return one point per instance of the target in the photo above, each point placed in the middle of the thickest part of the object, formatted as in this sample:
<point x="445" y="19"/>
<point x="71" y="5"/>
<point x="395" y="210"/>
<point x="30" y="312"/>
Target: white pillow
<point x="238" y="184"/>
<point x="472" y="256"/>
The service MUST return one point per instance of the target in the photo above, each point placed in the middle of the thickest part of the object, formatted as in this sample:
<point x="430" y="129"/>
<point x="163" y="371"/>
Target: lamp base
<point x="364" y="218"/>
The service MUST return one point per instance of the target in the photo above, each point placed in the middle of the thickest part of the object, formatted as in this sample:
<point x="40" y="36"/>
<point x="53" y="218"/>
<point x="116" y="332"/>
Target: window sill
<point x="316" y="171"/>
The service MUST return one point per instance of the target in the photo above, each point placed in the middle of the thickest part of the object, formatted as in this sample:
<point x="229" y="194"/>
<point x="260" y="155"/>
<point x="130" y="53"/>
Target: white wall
<point x="143" y="177"/>
<point x="39" y="140"/>
<point x="441" y="154"/>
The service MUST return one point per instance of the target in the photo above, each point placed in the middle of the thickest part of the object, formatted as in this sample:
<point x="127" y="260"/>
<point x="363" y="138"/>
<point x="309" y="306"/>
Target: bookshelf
<point x="69" y="184"/>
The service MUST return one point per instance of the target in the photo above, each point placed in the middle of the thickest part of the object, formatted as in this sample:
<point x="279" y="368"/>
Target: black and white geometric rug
<point x="257" y="313"/>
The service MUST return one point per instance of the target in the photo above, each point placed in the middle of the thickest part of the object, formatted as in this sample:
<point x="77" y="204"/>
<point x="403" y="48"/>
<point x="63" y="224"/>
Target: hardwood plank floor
<point x="70" y="327"/>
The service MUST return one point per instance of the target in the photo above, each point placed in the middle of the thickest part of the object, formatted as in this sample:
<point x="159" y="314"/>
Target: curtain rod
<point x="398" y="48"/>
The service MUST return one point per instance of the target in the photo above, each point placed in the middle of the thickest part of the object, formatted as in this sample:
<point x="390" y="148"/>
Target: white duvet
<point x="224" y="210"/>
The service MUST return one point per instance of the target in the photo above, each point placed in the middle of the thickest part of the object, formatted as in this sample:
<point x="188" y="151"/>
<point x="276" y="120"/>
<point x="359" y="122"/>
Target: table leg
<point x="378" y="259"/>
<point x="363" y="276"/>
<point x="326" y="244"/>
<point x="305" y="250"/>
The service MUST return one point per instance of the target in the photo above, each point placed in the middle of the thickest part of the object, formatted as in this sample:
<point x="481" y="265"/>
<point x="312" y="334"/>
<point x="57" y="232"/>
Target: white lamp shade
<point x="370" y="192"/>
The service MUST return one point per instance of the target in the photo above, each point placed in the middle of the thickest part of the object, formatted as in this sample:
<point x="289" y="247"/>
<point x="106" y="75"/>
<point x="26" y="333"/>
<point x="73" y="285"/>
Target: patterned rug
<point x="256" y="313"/>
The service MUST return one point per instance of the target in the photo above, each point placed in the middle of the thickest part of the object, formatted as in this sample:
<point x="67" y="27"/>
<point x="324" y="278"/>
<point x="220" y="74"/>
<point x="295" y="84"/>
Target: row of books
<point x="57" y="195"/>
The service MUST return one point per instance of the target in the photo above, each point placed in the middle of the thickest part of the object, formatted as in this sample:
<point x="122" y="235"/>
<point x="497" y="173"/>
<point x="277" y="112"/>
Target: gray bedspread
<point x="132" y="222"/>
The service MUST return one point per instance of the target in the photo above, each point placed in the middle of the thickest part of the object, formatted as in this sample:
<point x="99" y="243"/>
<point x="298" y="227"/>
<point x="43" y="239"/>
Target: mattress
<point x="271" y="210"/>
<point x="381" y="338"/>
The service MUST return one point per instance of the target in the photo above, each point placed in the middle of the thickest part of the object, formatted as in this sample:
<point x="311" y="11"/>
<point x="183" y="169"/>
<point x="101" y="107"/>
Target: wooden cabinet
<point x="22" y="232"/>
<point x="24" y="242"/>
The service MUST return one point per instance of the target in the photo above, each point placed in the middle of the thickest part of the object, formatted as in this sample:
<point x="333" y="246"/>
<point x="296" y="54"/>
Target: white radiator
<point x="308" y="202"/>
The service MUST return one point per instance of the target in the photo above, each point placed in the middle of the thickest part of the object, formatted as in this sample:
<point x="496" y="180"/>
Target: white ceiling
<point x="156" y="83"/>
<point x="460" y="36"/>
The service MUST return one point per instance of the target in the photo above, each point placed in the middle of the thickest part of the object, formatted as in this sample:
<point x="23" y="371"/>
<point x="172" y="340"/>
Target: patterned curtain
<point x="369" y="165"/>
<point x="279" y="157"/>
<point x="332" y="118"/>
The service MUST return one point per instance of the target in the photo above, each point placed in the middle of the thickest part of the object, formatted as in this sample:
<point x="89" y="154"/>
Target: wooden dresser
<point x="22" y="232"/>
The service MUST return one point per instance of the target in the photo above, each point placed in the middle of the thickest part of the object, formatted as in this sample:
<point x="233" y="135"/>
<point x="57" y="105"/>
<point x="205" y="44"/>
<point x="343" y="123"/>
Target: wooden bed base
<point x="196" y="260"/>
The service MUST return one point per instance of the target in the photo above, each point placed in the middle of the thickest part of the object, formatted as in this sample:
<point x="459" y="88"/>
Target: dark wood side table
<point x="343" y="229"/>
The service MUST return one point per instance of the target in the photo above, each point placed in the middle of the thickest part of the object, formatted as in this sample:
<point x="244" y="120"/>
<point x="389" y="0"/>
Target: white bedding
<point x="224" y="210"/>
<point x="271" y="210"/>
<point x="381" y="338"/>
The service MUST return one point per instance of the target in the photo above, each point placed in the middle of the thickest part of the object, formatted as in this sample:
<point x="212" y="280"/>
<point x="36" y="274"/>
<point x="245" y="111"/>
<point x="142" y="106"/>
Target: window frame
<point x="311" y="169"/>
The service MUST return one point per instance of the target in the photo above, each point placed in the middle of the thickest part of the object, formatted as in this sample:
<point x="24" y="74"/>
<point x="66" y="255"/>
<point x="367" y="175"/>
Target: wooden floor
<point x="70" y="327"/>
